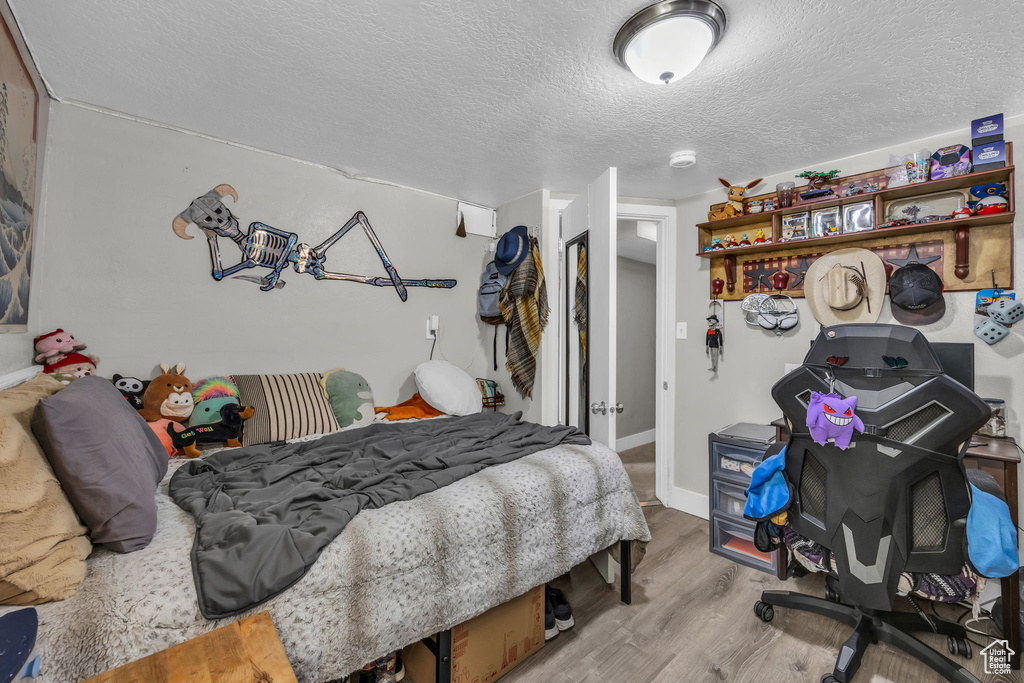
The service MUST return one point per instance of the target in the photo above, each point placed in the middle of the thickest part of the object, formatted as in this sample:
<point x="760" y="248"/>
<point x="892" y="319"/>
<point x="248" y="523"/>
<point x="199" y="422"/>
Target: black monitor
<point x="957" y="360"/>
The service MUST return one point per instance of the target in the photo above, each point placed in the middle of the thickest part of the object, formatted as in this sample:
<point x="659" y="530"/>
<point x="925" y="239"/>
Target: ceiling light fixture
<point x="682" y="159"/>
<point x="666" y="41"/>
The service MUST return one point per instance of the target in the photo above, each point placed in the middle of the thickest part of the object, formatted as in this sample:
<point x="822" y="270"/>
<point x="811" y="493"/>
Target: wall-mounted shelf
<point x="816" y="243"/>
<point x="997" y="175"/>
<point x="992" y="234"/>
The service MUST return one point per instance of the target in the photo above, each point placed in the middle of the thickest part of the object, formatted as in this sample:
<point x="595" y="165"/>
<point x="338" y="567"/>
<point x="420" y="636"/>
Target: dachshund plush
<point x="228" y="431"/>
<point x="167" y="402"/>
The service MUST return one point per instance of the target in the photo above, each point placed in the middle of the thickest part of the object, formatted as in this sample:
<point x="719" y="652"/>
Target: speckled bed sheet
<point x="394" y="575"/>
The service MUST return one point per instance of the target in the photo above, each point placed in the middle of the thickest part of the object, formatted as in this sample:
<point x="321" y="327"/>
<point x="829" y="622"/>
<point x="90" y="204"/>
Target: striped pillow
<point x="286" y="407"/>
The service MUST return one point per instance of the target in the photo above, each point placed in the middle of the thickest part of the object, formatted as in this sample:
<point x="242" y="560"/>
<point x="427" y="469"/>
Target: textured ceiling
<point x="487" y="100"/>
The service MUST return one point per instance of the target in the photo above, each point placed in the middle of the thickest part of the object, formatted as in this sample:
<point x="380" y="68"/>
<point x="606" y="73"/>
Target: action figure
<point x="714" y="341"/>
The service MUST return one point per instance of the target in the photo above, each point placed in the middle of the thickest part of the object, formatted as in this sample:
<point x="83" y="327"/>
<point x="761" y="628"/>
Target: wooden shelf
<point x="817" y="242"/>
<point x="957" y="234"/>
<point x="996" y="175"/>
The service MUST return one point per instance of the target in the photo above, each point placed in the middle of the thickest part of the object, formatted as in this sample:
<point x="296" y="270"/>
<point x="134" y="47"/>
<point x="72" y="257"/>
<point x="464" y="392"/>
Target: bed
<point x="395" y="575"/>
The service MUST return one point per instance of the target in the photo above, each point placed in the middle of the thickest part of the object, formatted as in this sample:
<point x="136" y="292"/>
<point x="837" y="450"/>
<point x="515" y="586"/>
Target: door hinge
<point x="561" y="245"/>
<point x="664" y="385"/>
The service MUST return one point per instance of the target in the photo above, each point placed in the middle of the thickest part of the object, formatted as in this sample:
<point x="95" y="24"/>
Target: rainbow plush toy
<point x="211" y="396"/>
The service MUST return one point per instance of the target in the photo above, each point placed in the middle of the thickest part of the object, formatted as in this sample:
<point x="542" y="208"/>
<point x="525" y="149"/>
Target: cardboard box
<point x="486" y="647"/>
<point x="986" y="129"/>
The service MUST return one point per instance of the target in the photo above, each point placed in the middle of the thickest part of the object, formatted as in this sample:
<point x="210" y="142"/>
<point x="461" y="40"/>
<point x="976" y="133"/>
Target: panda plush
<point x="131" y="388"/>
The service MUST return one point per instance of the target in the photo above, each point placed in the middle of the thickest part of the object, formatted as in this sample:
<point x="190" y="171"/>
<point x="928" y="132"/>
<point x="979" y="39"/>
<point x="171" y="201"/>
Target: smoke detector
<point x="682" y="159"/>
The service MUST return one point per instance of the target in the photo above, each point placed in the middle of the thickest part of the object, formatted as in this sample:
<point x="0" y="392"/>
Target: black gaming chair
<point x="895" y="501"/>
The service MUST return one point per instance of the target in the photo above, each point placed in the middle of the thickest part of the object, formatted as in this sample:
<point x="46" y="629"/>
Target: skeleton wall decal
<point x="267" y="247"/>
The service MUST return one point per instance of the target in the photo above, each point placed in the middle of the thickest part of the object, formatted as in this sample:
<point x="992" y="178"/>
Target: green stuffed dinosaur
<point x="350" y="396"/>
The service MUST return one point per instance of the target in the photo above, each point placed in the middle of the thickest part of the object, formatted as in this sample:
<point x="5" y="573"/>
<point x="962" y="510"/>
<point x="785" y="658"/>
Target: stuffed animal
<point x="131" y="388"/>
<point x="830" y="416"/>
<point x="227" y="430"/>
<point x="73" y="364"/>
<point x="53" y="346"/>
<point x="350" y="396"/>
<point x="734" y="207"/>
<point x="168" y="399"/>
<point x="210" y="395"/>
<point x="215" y="398"/>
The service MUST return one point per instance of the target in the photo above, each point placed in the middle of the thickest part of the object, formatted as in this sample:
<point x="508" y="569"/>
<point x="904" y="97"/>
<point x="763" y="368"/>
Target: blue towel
<point x="769" y="492"/>
<point x="991" y="536"/>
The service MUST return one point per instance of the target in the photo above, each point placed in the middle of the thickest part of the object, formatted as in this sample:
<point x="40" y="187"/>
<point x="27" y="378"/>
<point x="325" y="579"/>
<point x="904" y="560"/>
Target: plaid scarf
<point x="524" y="307"/>
<point x="579" y="313"/>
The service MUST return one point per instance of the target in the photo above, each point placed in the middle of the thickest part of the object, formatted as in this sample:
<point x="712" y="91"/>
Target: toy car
<point x="934" y="218"/>
<point x="896" y="223"/>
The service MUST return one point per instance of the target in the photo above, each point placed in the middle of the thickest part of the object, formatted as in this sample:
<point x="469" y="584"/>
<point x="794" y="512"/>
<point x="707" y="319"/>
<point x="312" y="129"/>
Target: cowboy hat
<point x="845" y="286"/>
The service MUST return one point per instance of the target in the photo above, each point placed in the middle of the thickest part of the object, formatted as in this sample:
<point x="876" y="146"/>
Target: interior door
<point x="592" y="215"/>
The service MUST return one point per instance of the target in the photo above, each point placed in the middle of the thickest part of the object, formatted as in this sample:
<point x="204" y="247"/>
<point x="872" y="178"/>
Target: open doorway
<point x="573" y="400"/>
<point x="636" y="333"/>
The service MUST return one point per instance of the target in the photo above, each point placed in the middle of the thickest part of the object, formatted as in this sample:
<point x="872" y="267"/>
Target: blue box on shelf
<point x="986" y="129"/>
<point x="988" y="156"/>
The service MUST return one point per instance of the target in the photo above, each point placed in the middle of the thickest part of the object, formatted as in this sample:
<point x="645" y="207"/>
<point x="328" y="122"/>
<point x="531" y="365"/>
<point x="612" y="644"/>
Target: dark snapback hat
<point x="915" y="295"/>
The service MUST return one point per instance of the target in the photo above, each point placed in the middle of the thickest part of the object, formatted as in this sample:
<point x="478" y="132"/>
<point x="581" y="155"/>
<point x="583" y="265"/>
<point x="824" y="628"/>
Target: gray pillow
<point x="107" y="459"/>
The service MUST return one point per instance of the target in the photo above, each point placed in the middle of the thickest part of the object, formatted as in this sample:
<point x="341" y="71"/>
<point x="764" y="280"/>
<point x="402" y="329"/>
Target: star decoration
<point x="912" y="257"/>
<point x="800" y="271"/>
<point x="760" y="276"/>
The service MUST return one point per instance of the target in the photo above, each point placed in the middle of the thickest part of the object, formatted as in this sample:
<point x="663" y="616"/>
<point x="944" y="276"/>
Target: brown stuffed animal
<point x="735" y="205"/>
<point x="167" y="399"/>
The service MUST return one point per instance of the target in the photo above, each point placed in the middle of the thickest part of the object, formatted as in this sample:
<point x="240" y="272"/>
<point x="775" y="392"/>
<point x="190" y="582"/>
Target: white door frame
<point x="665" y="347"/>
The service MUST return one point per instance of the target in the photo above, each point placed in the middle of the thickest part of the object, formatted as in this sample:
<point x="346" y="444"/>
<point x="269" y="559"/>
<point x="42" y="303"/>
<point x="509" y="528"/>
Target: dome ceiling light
<point x="666" y="41"/>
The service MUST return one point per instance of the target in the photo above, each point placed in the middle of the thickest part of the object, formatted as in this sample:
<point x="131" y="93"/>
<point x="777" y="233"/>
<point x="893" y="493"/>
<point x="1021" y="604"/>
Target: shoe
<point x="550" y="627"/>
<point x="562" y="610"/>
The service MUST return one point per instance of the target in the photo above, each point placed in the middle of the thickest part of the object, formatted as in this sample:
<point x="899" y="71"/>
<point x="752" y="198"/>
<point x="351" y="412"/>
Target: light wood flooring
<point x="639" y="465"/>
<point x="692" y="620"/>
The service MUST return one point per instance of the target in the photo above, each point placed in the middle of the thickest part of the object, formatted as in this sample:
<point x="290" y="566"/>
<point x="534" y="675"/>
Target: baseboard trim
<point x="634" y="440"/>
<point x="690" y="502"/>
<point x="13" y="379"/>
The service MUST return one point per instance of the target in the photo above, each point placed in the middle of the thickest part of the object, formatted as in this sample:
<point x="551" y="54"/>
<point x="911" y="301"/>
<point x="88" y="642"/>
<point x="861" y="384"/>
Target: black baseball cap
<point x="915" y="295"/>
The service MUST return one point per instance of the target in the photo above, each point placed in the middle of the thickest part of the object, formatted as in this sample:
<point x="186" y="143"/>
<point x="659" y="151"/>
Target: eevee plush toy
<point x="735" y="205"/>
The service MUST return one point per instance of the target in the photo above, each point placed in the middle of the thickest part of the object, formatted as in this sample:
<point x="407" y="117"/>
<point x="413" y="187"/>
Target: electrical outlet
<point x="432" y="326"/>
<point x="680" y="330"/>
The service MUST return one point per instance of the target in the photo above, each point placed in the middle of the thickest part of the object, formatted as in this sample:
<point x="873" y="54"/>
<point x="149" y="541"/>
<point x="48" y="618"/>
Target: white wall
<point x="110" y="270"/>
<point x="635" y="360"/>
<point x="754" y="358"/>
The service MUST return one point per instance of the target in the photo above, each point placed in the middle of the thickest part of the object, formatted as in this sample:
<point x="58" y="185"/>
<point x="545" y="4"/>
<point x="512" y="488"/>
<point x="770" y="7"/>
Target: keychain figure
<point x="714" y="341"/>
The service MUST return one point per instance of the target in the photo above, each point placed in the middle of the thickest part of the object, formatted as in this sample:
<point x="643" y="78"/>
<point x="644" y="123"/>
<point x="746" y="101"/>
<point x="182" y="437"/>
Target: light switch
<point x="680" y="330"/>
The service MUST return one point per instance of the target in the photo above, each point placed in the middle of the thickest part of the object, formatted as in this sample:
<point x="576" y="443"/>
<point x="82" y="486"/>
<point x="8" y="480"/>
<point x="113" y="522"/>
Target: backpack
<point x="489" y="295"/>
<point x="488" y="303"/>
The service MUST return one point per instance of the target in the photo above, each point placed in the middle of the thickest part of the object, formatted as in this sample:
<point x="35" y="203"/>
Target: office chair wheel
<point x="829" y="678"/>
<point x="959" y="646"/>
<point x="764" y="611"/>
<point x="831" y="595"/>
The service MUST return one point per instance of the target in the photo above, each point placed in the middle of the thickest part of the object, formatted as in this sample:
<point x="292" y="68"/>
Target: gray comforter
<point x="394" y="575"/>
<point x="265" y="513"/>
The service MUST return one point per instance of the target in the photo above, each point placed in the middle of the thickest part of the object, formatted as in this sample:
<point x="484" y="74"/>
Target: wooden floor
<point x="639" y="464"/>
<point x="692" y="619"/>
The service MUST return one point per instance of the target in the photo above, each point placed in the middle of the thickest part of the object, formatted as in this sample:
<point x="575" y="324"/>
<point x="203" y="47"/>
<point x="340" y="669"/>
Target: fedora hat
<point x="845" y="286"/>
<point x="513" y="248"/>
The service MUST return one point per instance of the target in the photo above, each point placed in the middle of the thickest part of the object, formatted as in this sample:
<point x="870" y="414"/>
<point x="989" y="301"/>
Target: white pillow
<point x="448" y="388"/>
